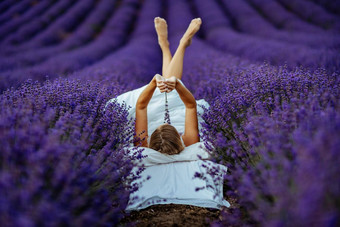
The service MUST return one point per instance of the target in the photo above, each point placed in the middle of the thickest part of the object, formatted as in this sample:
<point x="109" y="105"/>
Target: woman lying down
<point x="174" y="155"/>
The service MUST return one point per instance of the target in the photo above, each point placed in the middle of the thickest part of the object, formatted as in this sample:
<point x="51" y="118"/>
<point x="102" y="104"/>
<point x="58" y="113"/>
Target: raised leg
<point x="162" y="32"/>
<point x="175" y="67"/>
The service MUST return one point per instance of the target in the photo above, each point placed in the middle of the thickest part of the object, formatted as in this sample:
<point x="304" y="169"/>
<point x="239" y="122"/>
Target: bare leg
<point x="175" y="68"/>
<point x="162" y="32"/>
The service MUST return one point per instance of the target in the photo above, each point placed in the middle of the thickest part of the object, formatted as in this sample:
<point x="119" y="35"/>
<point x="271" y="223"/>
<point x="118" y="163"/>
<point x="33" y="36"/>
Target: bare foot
<point x="162" y="31"/>
<point x="191" y="31"/>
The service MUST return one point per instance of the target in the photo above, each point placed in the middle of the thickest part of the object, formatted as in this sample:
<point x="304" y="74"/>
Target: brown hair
<point x="166" y="140"/>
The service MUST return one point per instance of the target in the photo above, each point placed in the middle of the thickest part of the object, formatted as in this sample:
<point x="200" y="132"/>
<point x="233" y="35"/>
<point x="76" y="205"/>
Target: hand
<point x="171" y="83"/>
<point x="160" y="83"/>
<point x="165" y="85"/>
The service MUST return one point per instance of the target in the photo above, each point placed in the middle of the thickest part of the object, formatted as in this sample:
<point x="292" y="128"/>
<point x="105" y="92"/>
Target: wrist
<point x="153" y="81"/>
<point x="178" y="83"/>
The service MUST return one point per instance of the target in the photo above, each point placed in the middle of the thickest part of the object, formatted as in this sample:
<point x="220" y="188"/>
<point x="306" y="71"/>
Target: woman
<point x="166" y="139"/>
<point x="169" y="177"/>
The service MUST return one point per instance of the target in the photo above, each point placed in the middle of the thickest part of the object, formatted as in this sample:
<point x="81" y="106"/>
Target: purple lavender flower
<point x="62" y="160"/>
<point x="273" y="118"/>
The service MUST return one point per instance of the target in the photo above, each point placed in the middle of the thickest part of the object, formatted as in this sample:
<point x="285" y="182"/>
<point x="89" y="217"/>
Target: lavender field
<point x="269" y="70"/>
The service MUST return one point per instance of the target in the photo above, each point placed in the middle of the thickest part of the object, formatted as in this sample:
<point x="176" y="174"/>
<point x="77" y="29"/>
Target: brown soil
<point x="173" y="215"/>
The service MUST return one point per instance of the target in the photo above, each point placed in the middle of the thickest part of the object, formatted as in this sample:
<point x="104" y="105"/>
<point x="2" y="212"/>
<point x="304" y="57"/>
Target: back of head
<point x="166" y="140"/>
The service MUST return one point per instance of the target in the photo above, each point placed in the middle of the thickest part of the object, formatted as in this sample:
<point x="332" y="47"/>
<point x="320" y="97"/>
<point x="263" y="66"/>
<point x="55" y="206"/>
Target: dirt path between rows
<point x="173" y="215"/>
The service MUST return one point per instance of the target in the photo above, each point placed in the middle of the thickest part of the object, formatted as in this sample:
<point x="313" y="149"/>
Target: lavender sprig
<point x="166" y="114"/>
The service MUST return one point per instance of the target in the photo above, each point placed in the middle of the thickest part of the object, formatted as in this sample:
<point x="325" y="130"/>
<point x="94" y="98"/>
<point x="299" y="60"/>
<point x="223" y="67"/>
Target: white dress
<point x="156" y="108"/>
<point x="171" y="177"/>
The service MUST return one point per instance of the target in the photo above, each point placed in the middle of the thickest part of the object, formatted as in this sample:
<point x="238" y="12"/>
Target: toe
<point x="162" y="20"/>
<point x="198" y="19"/>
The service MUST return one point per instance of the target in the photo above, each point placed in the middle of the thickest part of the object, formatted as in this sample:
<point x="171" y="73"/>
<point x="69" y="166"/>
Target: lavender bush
<point x="279" y="137"/>
<point x="18" y="8"/>
<point x="86" y="32"/>
<point x="315" y="14"/>
<point x="62" y="26"/>
<point x="282" y="18"/>
<point x="248" y="20"/>
<point x="12" y="25"/>
<point x="28" y="31"/>
<point x="331" y="6"/>
<point x="61" y="157"/>
<point x="5" y="5"/>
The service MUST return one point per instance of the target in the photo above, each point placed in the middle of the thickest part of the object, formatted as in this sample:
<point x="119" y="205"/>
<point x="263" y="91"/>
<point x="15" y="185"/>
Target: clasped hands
<point x="165" y="85"/>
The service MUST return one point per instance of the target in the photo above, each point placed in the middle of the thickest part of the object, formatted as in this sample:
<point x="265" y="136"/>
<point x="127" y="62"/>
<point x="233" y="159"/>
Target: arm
<point x="141" y="126"/>
<point x="191" y="134"/>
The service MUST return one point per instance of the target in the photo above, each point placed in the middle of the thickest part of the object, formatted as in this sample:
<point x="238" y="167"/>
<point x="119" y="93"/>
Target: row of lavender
<point x="262" y="114"/>
<point x="60" y="37"/>
<point x="61" y="159"/>
<point x="278" y="132"/>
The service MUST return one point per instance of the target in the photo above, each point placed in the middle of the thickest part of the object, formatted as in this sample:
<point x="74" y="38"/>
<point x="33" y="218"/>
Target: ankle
<point x="184" y="42"/>
<point x="163" y="44"/>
